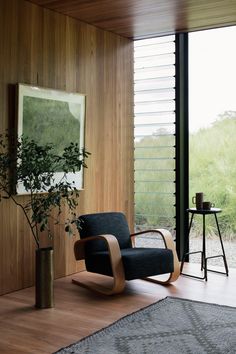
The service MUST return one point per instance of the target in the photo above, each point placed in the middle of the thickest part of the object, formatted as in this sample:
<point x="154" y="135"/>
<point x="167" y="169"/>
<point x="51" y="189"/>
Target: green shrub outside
<point x="212" y="170"/>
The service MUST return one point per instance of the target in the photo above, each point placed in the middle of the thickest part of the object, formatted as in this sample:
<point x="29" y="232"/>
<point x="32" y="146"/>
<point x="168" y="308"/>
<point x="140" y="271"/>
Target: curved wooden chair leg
<point x="169" y="244"/>
<point x="115" y="289"/>
<point x="116" y="265"/>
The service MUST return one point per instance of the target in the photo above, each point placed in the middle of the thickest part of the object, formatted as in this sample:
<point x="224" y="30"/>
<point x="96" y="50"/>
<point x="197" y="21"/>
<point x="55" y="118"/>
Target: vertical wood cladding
<point x="41" y="47"/>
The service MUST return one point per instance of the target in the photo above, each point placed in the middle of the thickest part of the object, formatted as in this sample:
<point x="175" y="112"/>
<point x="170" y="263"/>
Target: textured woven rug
<point x="172" y="325"/>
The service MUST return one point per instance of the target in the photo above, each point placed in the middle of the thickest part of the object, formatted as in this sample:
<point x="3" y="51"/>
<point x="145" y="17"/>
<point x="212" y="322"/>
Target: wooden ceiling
<point x="137" y="19"/>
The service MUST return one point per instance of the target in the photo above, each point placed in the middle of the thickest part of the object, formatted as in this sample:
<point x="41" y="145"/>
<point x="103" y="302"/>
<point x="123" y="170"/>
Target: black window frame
<point x="182" y="144"/>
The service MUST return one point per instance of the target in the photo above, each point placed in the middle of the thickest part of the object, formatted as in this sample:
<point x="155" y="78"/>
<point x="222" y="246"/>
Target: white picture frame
<point x="52" y="116"/>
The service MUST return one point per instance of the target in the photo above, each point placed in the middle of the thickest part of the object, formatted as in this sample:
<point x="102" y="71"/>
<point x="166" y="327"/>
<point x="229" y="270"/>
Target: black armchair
<point x="107" y="247"/>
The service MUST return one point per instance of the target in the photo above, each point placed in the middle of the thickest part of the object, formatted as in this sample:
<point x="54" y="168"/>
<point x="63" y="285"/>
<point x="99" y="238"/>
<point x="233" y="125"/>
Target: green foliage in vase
<point x="25" y="162"/>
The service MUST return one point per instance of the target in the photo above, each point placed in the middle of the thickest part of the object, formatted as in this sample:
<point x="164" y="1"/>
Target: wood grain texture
<point x="142" y="19"/>
<point x="79" y="312"/>
<point x="44" y="48"/>
<point x="115" y="260"/>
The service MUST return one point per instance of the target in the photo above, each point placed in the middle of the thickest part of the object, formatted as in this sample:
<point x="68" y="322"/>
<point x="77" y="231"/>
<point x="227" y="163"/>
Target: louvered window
<point x="154" y="88"/>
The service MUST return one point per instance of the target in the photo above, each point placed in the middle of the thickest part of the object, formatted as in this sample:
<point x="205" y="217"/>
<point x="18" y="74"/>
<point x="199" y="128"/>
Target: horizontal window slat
<point x="144" y="227"/>
<point x="140" y="125"/>
<point x="154" y="96"/>
<point x="171" y="139"/>
<point x="154" y="107"/>
<point x="156" y="114"/>
<point x="165" y="90"/>
<point x="154" y="173"/>
<point x="155" y="169"/>
<point x="154" y="56"/>
<point x="155" y="147"/>
<point x="153" y="135"/>
<point x="155" y="181"/>
<point x="154" y="60"/>
<point x="168" y="207"/>
<point x="139" y="156"/>
<point x="161" y="173"/>
<point x="161" y="216"/>
<point x="164" y="193"/>
<point x="162" y="164"/>
<point x="161" y="48"/>
<point x="164" y="204"/>
<point x="154" y="90"/>
<point x="157" y="72"/>
<point x="154" y="103"/>
<point x="151" y="80"/>
<point x="154" y="158"/>
<point x="154" y="131"/>
<point x="164" y="117"/>
<point x="154" y="68"/>
<point x="154" y="41"/>
<point x="154" y="84"/>
<point x="154" y="72"/>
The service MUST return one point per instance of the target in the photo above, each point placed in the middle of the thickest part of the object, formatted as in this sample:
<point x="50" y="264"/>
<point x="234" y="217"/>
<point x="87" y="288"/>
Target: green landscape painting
<point x="51" y="121"/>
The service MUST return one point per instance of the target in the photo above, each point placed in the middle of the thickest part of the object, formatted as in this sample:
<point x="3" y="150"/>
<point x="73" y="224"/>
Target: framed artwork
<point x="52" y="116"/>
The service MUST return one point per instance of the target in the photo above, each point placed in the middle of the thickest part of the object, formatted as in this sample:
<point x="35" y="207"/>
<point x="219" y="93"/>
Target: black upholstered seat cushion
<point x="113" y="223"/>
<point x="137" y="262"/>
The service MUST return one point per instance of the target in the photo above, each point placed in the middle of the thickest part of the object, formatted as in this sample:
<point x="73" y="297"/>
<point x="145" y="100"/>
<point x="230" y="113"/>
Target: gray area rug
<point x="172" y="325"/>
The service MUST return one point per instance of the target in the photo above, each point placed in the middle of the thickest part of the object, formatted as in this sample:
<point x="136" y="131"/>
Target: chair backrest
<point x="113" y="223"/>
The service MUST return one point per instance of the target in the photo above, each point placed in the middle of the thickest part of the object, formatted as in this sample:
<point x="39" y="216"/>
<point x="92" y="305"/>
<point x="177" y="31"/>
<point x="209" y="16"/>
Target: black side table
<point x="204" y="259"/>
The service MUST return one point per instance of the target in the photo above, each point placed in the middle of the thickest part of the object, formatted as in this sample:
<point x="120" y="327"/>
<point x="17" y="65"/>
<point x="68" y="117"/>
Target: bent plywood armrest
<point x="169" y="244"/>
<point x="115" y="259"/>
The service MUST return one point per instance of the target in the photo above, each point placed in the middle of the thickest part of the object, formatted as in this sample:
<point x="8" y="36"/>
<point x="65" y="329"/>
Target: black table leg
<point x="203" y="254"/>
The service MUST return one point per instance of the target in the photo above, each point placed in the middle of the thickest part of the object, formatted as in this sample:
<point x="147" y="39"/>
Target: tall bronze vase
<point x="44" y="294"/>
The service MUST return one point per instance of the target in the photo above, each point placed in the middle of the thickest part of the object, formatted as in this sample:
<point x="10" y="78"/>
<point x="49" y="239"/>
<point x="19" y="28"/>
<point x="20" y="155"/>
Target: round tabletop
<point x="204" y="212"/>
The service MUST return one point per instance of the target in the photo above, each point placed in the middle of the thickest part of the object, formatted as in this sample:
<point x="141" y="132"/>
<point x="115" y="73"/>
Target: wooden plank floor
<point x="78" y="312"/>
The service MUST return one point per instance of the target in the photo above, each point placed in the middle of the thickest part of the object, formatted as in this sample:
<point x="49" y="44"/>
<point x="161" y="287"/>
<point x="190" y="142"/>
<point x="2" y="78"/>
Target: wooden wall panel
<point x="138" y="19"/>
<point x="40" y="47"/>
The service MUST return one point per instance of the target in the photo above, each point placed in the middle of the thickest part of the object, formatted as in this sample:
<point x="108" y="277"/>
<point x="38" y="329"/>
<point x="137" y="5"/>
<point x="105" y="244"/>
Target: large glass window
<point x="212" y="132"/>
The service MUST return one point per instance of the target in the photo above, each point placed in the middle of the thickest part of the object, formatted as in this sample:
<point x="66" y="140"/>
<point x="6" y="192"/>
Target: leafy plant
<point x="23" y="161"/>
